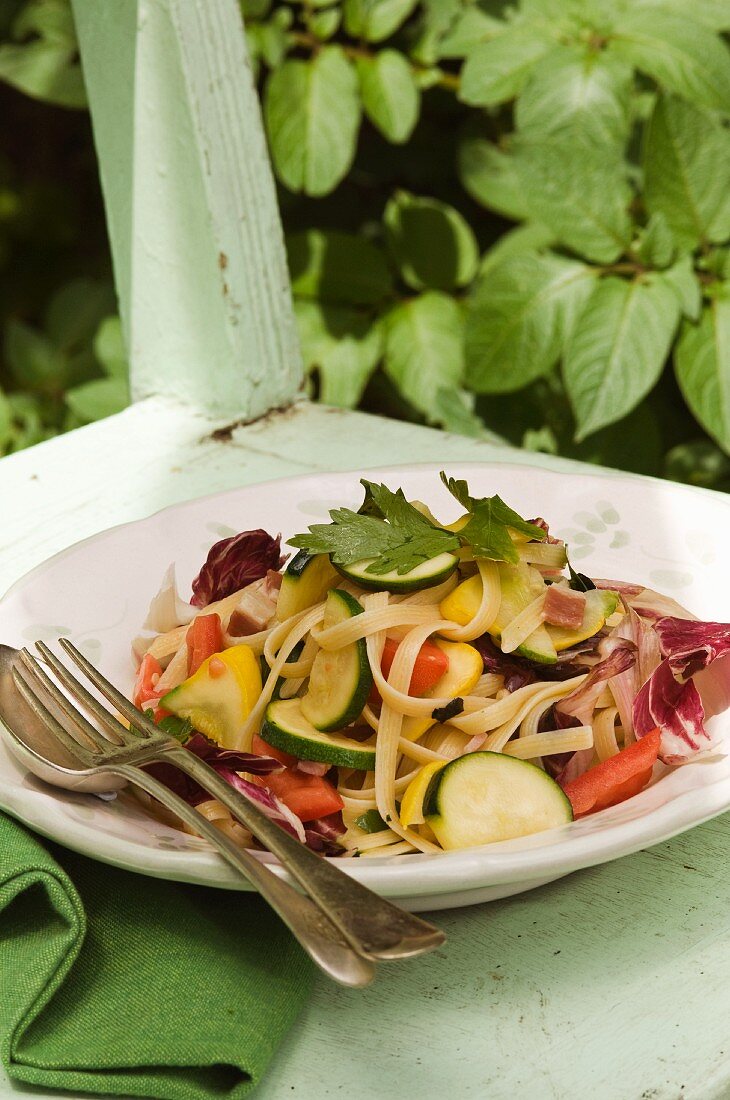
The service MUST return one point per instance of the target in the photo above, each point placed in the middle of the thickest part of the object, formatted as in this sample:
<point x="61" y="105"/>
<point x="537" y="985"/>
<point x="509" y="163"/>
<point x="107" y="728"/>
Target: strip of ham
<point x="564" y="607"/>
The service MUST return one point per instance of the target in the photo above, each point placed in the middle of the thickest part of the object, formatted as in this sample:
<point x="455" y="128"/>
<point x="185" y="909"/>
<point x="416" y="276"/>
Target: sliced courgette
<point x="486" y="796"/>
<point x="520" y="586"/>
<point x="426" y="575"/>
<point x="286" y="728"/>
<point x="340" y="680"/>
<point x="306" y="580"/>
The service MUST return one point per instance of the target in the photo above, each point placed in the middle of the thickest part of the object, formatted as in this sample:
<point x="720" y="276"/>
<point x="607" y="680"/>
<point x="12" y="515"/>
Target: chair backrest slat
<point x="191" y="204"/>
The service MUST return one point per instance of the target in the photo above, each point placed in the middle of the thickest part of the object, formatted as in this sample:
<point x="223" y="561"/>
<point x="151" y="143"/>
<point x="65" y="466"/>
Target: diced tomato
<point x="261" y="748"/>
<point x="431" y="664"/>
<point x="145" y="685"/>
<point x="307" y="796"/>
<point x="616" y="779"/>
<point x="204" y="638"/>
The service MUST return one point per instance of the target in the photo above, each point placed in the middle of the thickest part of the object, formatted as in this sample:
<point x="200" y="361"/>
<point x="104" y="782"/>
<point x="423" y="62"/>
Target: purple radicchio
<point x="272" y="806"/>
<point x="323" y="834"/>
<point x="690" y="684"/>
<point x="235" y="562"/>
<point x="224" y="761"/>
<point x="617" y="656"/>
<point x="625" y="685"/>
<point x="519" y="671"/>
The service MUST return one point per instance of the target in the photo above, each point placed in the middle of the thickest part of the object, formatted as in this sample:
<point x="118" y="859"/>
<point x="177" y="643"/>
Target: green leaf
<point x="98" y="399"/>
<point x="424" y="349"/>
<point x="580" y="191"/>
<point x="498" y="70"/>
<point x="432" y="244"/>
<point x="681" y="54"/>
<point x="618" y="348"/>
<point x="682" y="279"/>
<point x="370" y="822"/>
<point x="76" y="310"/>
<point x="323" y="24"/>
<point x="109" y="348"/>
<point x="406" y="540"/>
<point x="687" y="171"/>
<point x="34" y="361"/>
<point x="435" y="17"/>
<point x="390" y="96"/>
<point x="713" y="13"/>
<point x="471" y="28"/>
<point x="269" y="40"/>
<point x="452" y="409"/>
<point x="337" y="267"/>
<point x="44" y="69"/>
<point x="255" y="9"/>
<point x="489" y="175"/>
<point x="376" y="20"/>
<point x="698" y="462"/>
<point x="702" y="366"/>
<point x="312" y="112"/>
<point x="657" y="245"/>
<point x="530" y="237"/>
<point x="577" y="87"/>
<point x="342" y="346"/>
<point x="518" y="317"/>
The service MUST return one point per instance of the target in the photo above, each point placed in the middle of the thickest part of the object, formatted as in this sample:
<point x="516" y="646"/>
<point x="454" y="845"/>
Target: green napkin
<point x="116" y="983"/>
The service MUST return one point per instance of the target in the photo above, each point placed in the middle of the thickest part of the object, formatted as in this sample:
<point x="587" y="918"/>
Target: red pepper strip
<point x="204" y="638"/>
<point x="616" y="779"/>
<point x="263" y="748"/>
<point x="145" y="685"/>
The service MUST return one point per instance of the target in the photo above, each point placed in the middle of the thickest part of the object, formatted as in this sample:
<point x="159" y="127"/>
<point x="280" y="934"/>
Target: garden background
<point x="504" y="218"/>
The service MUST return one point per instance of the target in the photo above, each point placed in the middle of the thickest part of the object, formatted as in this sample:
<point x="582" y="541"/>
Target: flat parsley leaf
<point x="397" y="538"/>
<point x="398" y="542"/>
<point x="487" y="529"/>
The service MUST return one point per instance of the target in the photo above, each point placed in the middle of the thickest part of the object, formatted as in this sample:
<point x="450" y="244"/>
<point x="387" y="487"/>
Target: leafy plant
<point x="500" y="218"/>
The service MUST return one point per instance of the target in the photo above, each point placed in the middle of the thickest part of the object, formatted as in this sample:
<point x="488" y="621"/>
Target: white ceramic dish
<point x="97" y="593"/>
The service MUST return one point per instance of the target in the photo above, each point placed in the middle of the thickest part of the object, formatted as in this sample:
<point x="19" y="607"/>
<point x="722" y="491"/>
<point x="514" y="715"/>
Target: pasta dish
<point x="403" y="685"/>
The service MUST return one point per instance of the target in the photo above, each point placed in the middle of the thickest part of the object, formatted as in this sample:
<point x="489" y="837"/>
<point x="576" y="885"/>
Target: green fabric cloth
<point x="115" y="983"/>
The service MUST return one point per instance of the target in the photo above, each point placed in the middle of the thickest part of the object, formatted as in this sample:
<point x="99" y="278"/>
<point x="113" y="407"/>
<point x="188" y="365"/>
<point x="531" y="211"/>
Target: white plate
<point x="97" y="592"/>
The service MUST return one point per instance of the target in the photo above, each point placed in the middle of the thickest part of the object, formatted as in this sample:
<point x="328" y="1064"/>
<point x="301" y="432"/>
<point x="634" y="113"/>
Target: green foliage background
<point x="500" y="217"/>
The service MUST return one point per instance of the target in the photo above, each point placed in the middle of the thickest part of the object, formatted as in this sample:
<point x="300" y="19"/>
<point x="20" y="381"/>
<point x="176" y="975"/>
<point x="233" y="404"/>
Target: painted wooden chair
<point x="613" y="981"/>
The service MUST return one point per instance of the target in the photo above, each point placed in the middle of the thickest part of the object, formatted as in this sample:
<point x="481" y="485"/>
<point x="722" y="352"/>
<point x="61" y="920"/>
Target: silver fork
<point x="343" y="925"/>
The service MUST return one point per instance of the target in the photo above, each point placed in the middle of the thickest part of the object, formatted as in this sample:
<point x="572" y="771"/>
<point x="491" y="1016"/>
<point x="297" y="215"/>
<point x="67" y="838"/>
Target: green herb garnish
<point x="397" y="537"/>
<point x="370" y="822"/>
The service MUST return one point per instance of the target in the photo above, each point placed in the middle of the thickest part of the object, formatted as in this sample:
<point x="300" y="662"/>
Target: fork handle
<point x="371" y="924"/>
<point x="322" y="941"/>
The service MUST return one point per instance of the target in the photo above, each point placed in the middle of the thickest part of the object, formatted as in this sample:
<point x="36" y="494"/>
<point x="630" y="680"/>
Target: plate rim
<point x="467" y="868"/>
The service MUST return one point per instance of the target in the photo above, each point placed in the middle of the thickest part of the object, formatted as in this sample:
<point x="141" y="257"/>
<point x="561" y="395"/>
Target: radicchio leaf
<point x="224" y="761"/>
<point x="672" y="699"/>
<point x="272" y="806"/>
<point x="322" y="834"/>
<point x="625" y="686"/>
<point x="235" y="562"/>
<point x="519" y="671"/>
<point x="617" y="655"/>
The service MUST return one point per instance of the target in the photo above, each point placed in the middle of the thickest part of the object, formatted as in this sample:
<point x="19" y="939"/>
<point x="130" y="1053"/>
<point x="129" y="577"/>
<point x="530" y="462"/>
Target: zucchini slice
<point x="486" y="796"/>
<point x="306" y="581"/>
<point x="340" y="680"/>
<point x="426" y="575"/>
<point x="520" y="585"/>
<point x="286" y="728"/>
